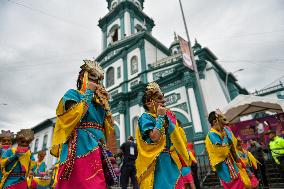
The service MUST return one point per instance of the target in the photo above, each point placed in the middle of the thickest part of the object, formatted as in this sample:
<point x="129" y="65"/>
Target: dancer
<point x="17" y="163"/>
<point x="248" y="162"/>
<point x="221" y="147"/>
<point x="159" y="143"/>
<point x="83" y="127"/>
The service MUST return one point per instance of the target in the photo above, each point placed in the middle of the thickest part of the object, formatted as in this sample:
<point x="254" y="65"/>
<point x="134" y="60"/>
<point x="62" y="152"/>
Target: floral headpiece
<point x="26" y="134"/>
<point x="6" y="134"/>
<point x="93" y="68"/>
<point x="153" y="91"/>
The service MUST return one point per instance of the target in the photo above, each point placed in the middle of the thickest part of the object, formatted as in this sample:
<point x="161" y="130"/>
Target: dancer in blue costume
<point x="40" y="179"/>
<point x="83" y="120"/>
<point x="159" y="142"/>
<point x="6" y="138"/>
<point x="17" y="163"/>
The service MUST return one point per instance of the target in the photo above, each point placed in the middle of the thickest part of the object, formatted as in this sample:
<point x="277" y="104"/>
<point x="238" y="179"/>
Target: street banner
<point x="185" y="49"/>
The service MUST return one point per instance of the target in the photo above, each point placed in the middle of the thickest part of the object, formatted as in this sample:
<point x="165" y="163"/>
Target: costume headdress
<point x="153" y="91"/>
<point x="26" y="134"/>
<point x="6" y="134"/>
<point x="93" y="68"/>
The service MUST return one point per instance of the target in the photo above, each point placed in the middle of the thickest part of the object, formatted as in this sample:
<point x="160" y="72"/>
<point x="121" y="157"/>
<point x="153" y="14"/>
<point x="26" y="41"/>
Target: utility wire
<point x="255" y="63"/>
<point x="49" y="15"/>
<point x="43" y="59"/>
<point x="247" y="34"/>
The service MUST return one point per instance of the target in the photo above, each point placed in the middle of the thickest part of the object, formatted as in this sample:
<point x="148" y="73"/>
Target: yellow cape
<point x="65" y="124"/>
<point x="216" y="153"/>
<point x="149" y="152"/>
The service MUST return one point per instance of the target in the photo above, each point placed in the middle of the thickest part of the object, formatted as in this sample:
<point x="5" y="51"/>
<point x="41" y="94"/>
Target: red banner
<point x="185" y="49"/>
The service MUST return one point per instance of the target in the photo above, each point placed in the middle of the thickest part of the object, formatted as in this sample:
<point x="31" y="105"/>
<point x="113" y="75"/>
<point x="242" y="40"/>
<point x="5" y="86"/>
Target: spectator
<point x="276" y="145"/>
<point x="257" y="151"/>
<point x="260" y="131"/>
<point x="128" y="169"/>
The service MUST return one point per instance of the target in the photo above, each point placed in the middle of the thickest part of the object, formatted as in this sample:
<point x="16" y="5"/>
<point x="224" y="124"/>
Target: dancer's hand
<point x="92" y="85"/>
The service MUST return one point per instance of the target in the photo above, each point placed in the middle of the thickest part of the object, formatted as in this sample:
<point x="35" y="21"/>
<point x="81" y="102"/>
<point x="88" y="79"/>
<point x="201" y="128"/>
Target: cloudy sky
<point x="42" y="44"/>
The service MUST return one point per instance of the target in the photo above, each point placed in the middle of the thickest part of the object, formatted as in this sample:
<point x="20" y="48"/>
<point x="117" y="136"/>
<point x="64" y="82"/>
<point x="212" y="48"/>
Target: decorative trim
<point x="132" y="84"/>
<point x="163" y="73"/>
<point x="199" y="136"/>
<point x="172" y="98"/>
<point x="182" y="106"/>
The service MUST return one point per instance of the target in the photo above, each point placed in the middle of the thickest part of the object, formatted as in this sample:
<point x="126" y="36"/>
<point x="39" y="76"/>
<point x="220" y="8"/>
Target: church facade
<point x="131" y="57"/>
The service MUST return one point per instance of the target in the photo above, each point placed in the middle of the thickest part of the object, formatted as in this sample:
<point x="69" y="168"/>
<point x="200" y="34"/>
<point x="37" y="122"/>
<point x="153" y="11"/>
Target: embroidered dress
<point x="249" y="162"/>
<point x="218" y="147"/>
<point x="15" y="168"/>
<point x="2" y="152"/>
<point x="39" y="181"/>
<point x="75" y="142"/>
<point x="158" y="164"/>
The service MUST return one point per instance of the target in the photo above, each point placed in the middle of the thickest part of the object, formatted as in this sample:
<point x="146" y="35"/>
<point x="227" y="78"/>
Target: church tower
<point x="125" y="18"/>
<point x="131" y="57"/>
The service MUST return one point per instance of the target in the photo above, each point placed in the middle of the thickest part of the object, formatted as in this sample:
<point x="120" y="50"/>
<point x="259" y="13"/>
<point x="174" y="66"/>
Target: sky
<point x="43" y="43"/>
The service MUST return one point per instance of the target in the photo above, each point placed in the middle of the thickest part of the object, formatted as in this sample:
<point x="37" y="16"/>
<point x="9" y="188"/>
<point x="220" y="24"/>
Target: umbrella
<point x="247" y="104"/>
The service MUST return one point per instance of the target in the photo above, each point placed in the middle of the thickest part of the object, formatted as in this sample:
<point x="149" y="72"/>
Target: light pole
<point x="194" y="64"/>
<point x="226" y="81"/>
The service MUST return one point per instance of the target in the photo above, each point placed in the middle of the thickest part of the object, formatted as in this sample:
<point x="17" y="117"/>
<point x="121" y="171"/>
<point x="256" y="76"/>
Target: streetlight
<point x="226" y="82"/>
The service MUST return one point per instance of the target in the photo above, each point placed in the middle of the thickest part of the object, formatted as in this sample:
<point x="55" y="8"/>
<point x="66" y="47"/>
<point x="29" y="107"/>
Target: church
<point x="131" y="57"/>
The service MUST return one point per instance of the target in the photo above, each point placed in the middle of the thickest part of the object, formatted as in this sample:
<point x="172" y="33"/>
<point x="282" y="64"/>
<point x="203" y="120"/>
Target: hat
<point x="93" y="68"/>
<point x="153" y="91"/>
<point x="6" y="134"/>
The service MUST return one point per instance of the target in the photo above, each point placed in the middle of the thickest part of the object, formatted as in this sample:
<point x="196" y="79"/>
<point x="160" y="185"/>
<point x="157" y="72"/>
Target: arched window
<point x="186" y="125"/>
<point x="134" y="65"/>
<point x="110" y="77"/>
<point x="36" y="146"/>
<point x="117" y="135"/>
<point x="134" y="126"/>
<point x="113" y="33"/>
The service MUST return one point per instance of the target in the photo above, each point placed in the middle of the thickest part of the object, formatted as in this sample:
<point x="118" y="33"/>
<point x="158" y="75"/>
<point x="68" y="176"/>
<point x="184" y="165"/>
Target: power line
<point x="247" y="34"/>
<point x="255" y="63"/>
<point x="49" y="15"/>
<point x="43" y="59"/>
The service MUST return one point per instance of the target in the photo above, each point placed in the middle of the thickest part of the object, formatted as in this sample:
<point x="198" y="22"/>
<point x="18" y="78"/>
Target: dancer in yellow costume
<point x="159" y="143"/>
<point x="16" y="163"/>
<point x="221" y="147"/>
<point x="248" y="162"/>
<point x="83" y="124"/>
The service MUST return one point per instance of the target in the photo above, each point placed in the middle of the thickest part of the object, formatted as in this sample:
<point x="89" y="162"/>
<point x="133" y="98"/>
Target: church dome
<point x="175" y="47"/>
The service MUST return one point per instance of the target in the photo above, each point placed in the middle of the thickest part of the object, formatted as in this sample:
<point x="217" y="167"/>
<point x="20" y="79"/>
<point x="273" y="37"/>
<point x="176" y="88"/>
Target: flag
<point x="185" y="49"/>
